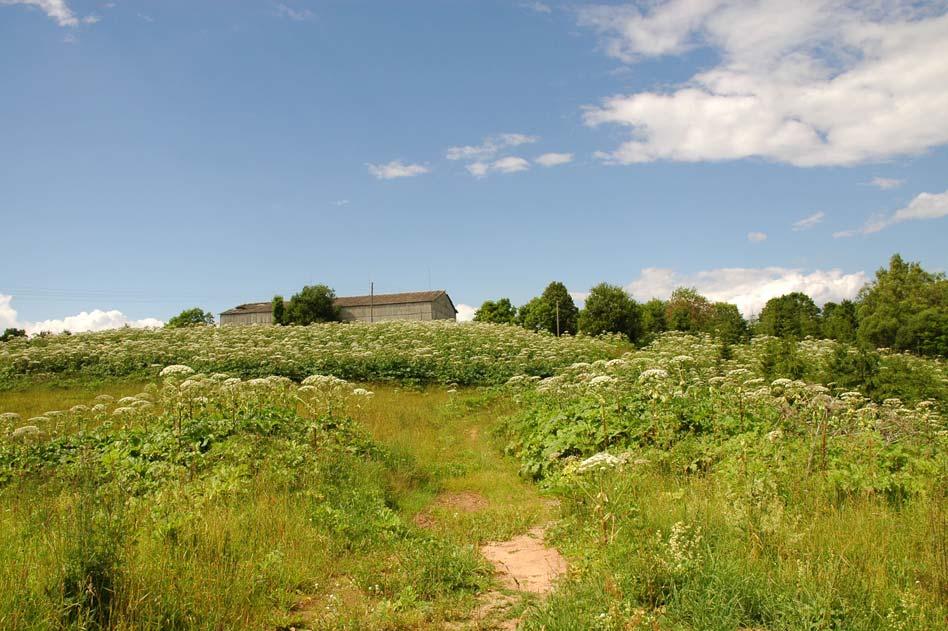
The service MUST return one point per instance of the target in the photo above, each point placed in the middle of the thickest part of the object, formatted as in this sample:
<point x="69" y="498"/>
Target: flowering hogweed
<point x="442" y="352"/>
<point x="677" y="403"/>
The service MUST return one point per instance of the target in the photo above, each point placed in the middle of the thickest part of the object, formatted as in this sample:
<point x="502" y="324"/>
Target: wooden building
<point x="416" y="305"/>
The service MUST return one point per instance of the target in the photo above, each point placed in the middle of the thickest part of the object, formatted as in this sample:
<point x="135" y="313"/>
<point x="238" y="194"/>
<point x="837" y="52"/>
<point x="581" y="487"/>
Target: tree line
<point x="904" y="308"/>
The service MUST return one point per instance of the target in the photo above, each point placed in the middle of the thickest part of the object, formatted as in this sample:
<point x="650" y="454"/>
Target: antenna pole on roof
<point x="371" y="302"/>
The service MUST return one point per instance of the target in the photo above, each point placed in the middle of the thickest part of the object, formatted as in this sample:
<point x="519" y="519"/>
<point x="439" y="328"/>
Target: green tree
<point x="9" y="334"/>
<point x="497" y="312"/>
<point x="791" y="315"/>
<point x="191" y="317"/>
<point x="540" y="314"/>
<point x="314" y="303"/>
<point x="653" y="317"/>
<point x="609" y="309"/>
<point x="727" y="323"/>
<point x="905" y="308"/>
<point x="839" y="321"/>
<point x="279" y="310"/>
<point x="687" y="310"/>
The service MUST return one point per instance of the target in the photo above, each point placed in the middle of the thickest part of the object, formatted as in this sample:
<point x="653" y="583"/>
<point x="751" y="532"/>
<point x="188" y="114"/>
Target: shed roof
<point x="354" y="301"/>
<point x="250" y="307"/>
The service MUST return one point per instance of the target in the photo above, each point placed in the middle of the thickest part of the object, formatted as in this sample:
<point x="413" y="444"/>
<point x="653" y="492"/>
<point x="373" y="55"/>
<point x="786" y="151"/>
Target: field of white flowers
<point x="716" y="498"/>
<point x="698" y="488"/>
<point x="420" y="352"/>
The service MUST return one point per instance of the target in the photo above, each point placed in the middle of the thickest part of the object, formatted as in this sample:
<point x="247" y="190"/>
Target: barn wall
<point x="441" y="309"/>
<point x="247" y="318"/>
<point x="382" y="313"/>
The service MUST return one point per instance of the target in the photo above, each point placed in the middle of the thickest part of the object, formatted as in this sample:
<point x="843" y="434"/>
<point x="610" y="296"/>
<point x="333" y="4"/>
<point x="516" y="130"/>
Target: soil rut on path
<point x="525" y="563"/>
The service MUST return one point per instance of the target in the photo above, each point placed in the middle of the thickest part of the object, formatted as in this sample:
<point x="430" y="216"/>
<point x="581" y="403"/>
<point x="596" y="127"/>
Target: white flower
<point x="27" y="432"/>
<point x="601" y="461"/>
<point x="176" y="370"/>
<point x="653" y="373"/>
<point x="602" y="380"/>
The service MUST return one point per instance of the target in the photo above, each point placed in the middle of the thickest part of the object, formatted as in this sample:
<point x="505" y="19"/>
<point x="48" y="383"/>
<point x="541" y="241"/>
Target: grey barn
<point x="416" y="305"/>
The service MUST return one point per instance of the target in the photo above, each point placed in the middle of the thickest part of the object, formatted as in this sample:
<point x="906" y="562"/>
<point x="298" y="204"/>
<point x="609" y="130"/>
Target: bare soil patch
<point x="458" y="502"/>
<point x="525" y="563"/>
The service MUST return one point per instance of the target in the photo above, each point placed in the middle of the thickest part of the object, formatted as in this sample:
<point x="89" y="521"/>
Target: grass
<point x="681" y="558"/>
<point x="277" y="535"/>
<point x="267" y="537"/>
<point x="35" y="399"/>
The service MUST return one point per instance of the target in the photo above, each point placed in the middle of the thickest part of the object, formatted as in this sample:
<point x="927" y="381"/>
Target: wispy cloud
<point x="489" y="147"/>
<point x="925" y="206"/>
<point x="554" y="159"/>
<point x="396" y="169"/>
<point x="341" y="202"/>
<point x="510" y="164"/>
<point x="756" y="237"/>
<point x="808" y="222"/>
<point x="297" y="15"/>
<point x="539" y="7"/>
<point x="57" y="10"/>
<point x="886" y="183"/>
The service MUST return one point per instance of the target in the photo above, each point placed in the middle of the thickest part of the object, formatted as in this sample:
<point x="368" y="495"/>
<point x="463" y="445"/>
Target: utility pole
<point x="557" y="318"/>
<point x="371" y="301"/>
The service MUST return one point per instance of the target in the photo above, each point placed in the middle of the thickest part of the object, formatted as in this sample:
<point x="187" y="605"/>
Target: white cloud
<point x="7" y="313"/>
<point x="489" y="147"/>
<point x="478" y="169"/>
<point x="886" y="183"/>
<point x="91" y="19"/>
<point x="341" y="202"/>
<point x="56" y="9"/>
<point x="554" y="159"/>
<point x="297" y="15"/>
<point x="756" y="237"/>
<point x="466" y="312"/>
<point x="924" y="206"/>
<point x="809" y="221"/>
<point x="749" y="288"/>
<point x="815" y="82"/>
<point x="96" y="320"/>
<point x="539" y="7"/>
<point x="510" y="164"/>
<point x="396" y="169"/>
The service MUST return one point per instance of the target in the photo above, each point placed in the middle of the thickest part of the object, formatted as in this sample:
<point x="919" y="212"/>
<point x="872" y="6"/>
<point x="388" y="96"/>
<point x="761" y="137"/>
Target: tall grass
<point x="684" y="557"/>
<point x="264" y="532"/>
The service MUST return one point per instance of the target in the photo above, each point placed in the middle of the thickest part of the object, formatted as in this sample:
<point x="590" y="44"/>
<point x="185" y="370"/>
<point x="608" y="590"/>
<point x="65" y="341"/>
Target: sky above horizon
<point x="162" y="155"/>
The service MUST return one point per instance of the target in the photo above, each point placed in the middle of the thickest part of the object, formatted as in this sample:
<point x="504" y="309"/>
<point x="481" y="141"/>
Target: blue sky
<point x="159" y="155"/>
